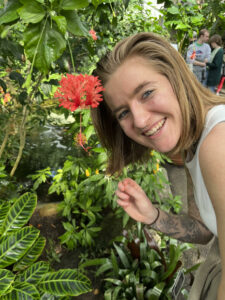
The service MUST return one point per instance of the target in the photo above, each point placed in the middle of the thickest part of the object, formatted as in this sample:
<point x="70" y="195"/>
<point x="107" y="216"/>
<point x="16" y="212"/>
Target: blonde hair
<point x="193" y="98"/>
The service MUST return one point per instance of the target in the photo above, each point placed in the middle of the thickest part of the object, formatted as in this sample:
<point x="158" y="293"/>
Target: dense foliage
<point x="40" y="41"/>
<point x="20" y="247"/>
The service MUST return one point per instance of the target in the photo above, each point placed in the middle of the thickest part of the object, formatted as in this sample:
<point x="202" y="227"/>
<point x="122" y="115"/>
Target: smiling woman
<point x="147" y="110"/>
<point x="153" y="101"/>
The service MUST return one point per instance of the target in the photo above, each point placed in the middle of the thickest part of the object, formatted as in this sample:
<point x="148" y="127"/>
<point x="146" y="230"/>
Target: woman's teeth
<point x="156" y="128"/>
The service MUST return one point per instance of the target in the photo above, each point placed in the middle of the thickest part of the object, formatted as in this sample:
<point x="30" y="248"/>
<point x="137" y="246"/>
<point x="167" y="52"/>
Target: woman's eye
<point x="122" y="115"/>
<point x="146" y="94"/>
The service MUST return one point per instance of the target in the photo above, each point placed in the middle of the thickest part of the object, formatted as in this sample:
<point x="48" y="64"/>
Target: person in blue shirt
<point x="198" y="54"/>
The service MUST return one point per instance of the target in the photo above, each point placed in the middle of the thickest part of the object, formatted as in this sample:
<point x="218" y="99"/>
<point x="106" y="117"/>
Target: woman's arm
<point x="138" y="206"/>
<point x="186" y="227"/>
<point x="212" y="163"/>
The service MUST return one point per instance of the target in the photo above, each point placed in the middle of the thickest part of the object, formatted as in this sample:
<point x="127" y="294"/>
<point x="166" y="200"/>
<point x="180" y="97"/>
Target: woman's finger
<point x="122" y="203"/>
<point x="121" y="195"/>
<point x="134" y="191"/>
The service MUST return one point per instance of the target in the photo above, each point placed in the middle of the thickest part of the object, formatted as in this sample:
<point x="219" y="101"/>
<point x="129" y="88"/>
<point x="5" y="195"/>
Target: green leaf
<point x="196" y="19"/>
<point x="9" y="13"/>
<point x="140" y="288"/>
<point x="114" y="263"/>
<point x="20" y="213"/>
<point x="34" y="273"/>
<point x="74" y="24"/>
<point x="116" y="293"/>
<point x="174" y="257"/>
<point x="93" y="262"/>
<point x="89" y="131"/>
<point x="44" y="43"/>
<point x="96" y="3"/>
<point x="16" y="244"/>
<point x="22" y="290"/>
<point x="114" y="281"/>
<point x="74" y="4"/>
<point x="31" y="12"/>
<point x="182" y="26"/>
<point x="108" y="294"/>
<point x="107" y="266"/>
<point x="65" y="282"/>
<point x="6" y="280"/>
<point x="155" y="293"/>
<point x="61" y="23"/>
<point x="31" y="255"/>
<point x="173" y="10"/>
<point x="4" y="208"/>
<point x="122" y="256"/>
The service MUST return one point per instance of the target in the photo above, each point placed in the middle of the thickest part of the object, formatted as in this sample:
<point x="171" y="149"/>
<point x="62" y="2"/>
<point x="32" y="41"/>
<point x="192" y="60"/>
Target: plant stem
<point x="71" y="55"/>
<point x="5" y="138"/>
<point x="22" y="132"/>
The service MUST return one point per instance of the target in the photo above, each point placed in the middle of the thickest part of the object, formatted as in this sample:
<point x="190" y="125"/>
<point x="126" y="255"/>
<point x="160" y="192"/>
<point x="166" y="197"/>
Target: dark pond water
<point x="46" y="146"/>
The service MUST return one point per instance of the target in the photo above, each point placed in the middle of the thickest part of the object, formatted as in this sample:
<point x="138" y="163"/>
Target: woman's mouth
<point x="156" y="128"/>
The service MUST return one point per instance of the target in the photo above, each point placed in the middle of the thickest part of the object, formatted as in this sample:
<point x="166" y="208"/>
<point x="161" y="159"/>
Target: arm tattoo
<point x="182" y="227"/>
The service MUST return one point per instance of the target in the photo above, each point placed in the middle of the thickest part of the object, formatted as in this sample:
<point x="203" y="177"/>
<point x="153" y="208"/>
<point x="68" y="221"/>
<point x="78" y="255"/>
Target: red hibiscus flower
<point x="93" y="34"/>
<point x="79" y="91"/>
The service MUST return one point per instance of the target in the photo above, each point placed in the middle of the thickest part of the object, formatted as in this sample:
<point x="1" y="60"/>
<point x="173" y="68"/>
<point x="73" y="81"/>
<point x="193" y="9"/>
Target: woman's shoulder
<point x="214" y="141"/>
<point x="215" y="119"/>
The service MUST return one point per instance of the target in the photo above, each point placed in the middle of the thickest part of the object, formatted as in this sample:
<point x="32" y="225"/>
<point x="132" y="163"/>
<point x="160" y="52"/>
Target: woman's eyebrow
<point x="140" y="87"/>
<point x="115" y="111"/>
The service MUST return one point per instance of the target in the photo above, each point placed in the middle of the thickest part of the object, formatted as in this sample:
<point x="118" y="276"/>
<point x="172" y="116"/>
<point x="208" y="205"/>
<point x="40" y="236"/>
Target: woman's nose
<point x="140" y="115"/>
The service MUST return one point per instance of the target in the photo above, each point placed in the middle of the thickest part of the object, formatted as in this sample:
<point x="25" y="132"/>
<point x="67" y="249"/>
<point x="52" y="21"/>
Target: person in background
<point x="214" y="65"/>
<point x="198" y="54"/>
<point x="152" y="101"/>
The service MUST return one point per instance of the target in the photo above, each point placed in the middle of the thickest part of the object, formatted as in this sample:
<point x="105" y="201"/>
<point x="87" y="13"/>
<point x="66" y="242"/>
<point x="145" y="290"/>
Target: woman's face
<point x="145" y="105"/>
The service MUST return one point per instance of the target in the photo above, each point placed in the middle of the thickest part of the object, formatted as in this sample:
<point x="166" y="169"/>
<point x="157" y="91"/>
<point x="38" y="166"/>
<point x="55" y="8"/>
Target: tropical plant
<point x="215" y="21"/>
<point x="21" y="275"/>
<point x="87" y="191"/>
<point x="34" y="35"/>
<point x="181" y="19"/>
<point x="138" y="268"/>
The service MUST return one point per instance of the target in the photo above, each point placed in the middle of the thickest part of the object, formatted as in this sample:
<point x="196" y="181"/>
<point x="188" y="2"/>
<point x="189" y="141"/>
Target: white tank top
<point x="214" y="116"/>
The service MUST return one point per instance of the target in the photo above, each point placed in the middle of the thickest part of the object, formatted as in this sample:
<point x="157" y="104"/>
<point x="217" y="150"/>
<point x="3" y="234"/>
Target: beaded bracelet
<point x="158" y="211"/>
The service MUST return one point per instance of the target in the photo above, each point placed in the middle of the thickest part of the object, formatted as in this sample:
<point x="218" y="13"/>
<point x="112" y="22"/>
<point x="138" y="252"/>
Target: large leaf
<point x="16" y="244"/>
<point x="123" y="257"/>
<point x="74" y="4"/>
<point x="6" y="280"/>
<point x="65" y="282"/>
<point x="4" y="208"/>
<point x="44" y="43"/>
<point x="9" y="13"/>
<point x="31" y="12"/>
<point x="34" y="273"/>
<point x="19" y="214"/>
<point x="22" y="290"/>
<point x="74" y="24"/>
<point x="31" y="255"/>
<point x="61" y="23"/>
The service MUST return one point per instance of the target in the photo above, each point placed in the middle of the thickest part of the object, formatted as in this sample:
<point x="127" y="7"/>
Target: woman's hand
<point x="134" y="201"/>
